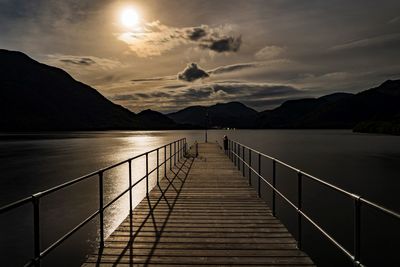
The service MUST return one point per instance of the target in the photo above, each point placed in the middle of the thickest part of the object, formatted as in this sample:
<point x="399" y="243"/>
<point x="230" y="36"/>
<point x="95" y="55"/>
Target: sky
<point x="166" y="55"/>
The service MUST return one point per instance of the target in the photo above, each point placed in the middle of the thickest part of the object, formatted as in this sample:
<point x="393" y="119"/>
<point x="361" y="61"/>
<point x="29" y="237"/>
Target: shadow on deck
<point x="202" y="213"/>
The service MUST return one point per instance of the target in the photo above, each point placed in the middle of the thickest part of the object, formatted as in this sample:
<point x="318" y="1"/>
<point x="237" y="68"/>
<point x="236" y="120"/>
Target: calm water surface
<point x="367" y="165"/>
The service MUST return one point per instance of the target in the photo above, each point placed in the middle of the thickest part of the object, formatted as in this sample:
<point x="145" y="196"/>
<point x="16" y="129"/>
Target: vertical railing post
<point x="299" y="207"/>
<point x="357" y="230"/>
<point x="130" y="196"/>
<point x="238" y="156"/>
<point x="259" y="175"/>
<point x="165" y="161"/>
<point x="147" y="174"/>
<point x="273" y="186"/>
<point x="175" y="153"/>
<point x="229" y="149"/>
<point x="158" y="167"/>
<point x="170" y="156"/>
<point x="243" y="161"/>
<point x="36" y="228"/>
<point x="249" y="166"/>
<point x="179" y="151"/>
<point x="234" y="155"/>
<point x="101" y="209"/>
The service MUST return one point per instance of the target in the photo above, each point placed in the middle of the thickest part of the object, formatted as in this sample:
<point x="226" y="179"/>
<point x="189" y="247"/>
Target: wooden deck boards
<point x="203" y="213"/>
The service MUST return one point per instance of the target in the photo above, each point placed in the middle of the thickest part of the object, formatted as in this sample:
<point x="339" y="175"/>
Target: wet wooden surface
<point x="203" y="213"/>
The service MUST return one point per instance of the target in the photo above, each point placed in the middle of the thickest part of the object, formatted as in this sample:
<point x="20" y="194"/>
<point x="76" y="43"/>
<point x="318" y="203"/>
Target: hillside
<point x="38" y="97"/>
<point x="232" y="115"/>
<point x="337" y="111"/>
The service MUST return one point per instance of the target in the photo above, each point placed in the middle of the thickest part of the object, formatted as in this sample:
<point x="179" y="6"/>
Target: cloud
<point x="155" y="39"/>
<point x="234" y="67"/>
<point x="163" y="78"/>
<point x="79" y="61"/>
<point x="225" y="44"/>
<point x="197" y="33"/>
<point x="394" y="20"/>
<point x="368" y="42"/>
<point x="192" y="72"/>
<point x="269" y="52"/>
<point x="174" y="86"/>
<point x="71" y="61"/>
<point x="124" y="97"/>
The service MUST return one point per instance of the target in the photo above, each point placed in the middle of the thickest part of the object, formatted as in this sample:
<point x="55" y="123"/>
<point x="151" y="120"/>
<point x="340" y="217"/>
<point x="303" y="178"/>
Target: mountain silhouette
<point x="156" y="121"/>
<point x="340" y="110"/>
<point x="38" y="97"/>
<point x="221" y="115"/>
<point x="373" y="110"/>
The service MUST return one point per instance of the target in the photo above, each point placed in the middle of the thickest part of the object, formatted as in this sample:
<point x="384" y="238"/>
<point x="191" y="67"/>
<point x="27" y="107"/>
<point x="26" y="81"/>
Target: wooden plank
<point x="201" y="214"/>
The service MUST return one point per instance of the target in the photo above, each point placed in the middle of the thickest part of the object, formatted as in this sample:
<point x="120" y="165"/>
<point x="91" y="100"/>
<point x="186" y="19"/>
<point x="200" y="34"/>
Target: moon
<point x="129" y="17"/>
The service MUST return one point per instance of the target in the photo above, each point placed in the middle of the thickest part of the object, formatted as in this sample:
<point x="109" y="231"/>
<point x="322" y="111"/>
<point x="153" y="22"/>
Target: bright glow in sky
<point x="129" y="17"/>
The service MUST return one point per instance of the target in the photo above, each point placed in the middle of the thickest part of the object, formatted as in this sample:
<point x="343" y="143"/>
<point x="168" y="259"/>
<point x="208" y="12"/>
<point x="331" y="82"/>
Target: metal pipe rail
<point x="178" y="151"/>
<point x="236" y="152"/>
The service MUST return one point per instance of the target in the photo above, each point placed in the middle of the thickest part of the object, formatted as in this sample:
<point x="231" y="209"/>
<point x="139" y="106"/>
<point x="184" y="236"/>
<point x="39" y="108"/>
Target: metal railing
<point x="236" y="152"/>
<point x="177" y="149"/>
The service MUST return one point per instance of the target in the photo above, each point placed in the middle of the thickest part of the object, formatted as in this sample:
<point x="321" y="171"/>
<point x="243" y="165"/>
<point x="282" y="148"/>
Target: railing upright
<point x="36" y="228"/>
<point x="243" y="149"/>
<point x="165" y="161"/>
<point x="158" y="168"/>
<point x="249" y="167"/>
<point x="130" y="195"/>
<point x="147" y="174"/>
<point x="299" y="207"/>
<point x="274" y="186"/>
<point x="174" y="153"/>
<point x="259" y="175"/>
<point x="231" y="150"/>
<point x="170" y="156"/>
<point x="238" y="157"/>
<point x="357" y="236"/>
<point x="101" y="209"/>
<point x="234" y="154"/>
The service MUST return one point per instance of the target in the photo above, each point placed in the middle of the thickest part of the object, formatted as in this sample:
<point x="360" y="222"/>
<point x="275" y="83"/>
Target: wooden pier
<point x="202" y="213"/>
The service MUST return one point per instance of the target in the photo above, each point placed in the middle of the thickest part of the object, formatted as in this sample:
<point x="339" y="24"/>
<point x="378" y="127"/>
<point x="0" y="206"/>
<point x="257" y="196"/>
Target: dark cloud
<point x="164" y="78"/>
<point x="174" y="86"/>
<point x="192" y="72"/>
<point x="157" y="38"/>
<point x="197" y="33"/>
<point x="224" y="44"/>
<point x="84" y="61"/>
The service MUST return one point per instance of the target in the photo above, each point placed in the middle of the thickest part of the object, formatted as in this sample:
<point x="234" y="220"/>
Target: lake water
<point x="368" y="165"/>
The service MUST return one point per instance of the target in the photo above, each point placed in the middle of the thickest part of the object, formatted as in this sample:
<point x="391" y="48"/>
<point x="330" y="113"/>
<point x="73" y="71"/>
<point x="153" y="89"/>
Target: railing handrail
<point x="321" y="181"/>
<point x="35" y="198"/>
<point x="22" y="201"/>
<point x="234" y="151"/>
